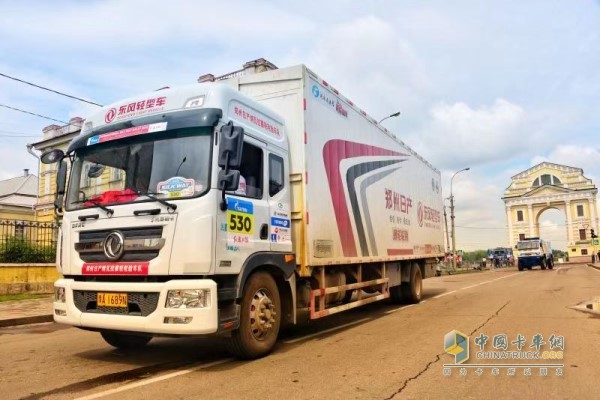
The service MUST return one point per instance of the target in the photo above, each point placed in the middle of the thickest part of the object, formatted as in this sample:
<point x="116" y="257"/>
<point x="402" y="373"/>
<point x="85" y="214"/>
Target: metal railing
<point x="27" y="241"/>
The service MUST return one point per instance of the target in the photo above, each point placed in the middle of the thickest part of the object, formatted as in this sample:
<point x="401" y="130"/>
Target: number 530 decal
<point x="240" y="222"/>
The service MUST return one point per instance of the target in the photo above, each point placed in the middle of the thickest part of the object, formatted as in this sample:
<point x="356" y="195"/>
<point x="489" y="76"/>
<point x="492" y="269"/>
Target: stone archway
<point x="547" y="186"/>
<point x="556" y="231"/>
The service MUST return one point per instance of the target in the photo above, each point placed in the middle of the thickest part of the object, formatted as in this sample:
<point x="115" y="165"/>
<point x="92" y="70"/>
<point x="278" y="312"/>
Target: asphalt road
<point x="380" y="351"/>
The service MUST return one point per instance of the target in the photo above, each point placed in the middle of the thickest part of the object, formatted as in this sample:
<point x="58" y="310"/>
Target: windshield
<point x="528" y="245"/>
<point x="175" y="164"/>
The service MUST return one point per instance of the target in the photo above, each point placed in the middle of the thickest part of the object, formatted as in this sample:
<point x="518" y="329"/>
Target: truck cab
<point x="534" y="251"/>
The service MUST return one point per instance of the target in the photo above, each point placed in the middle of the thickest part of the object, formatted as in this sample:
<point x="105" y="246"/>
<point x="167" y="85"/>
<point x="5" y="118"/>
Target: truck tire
<point x="124" y="340"/>
<point x="259" y="318"/>
<point x="520" y="266"/>
<point x="551" y="263"/>
<point x="543" y="263"/>
<point x="409" y="292"/>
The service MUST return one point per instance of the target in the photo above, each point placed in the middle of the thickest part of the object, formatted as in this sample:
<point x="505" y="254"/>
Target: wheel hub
<point x="262" y="314"/>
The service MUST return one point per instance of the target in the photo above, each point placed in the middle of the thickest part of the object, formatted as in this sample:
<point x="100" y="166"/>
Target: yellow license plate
<point x="112" y="299"/>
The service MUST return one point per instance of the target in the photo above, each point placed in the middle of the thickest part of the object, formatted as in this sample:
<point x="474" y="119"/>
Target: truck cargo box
<point x="359" y="193"/>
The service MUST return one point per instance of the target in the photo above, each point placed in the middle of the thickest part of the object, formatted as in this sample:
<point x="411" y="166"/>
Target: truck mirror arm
<point x="223" y="184"/>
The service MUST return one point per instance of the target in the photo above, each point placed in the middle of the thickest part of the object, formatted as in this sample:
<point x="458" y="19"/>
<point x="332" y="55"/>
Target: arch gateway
<point x="546" y="186"/>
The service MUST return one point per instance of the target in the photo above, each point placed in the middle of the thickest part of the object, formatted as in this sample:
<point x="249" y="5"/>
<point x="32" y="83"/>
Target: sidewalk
<point x="21" y="312"/>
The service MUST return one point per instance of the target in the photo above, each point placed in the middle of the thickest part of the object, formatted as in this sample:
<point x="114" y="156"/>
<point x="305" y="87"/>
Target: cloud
<point x="585" y="157"/>
<point x="458" y="135"/>
<point x="370" y="62"/>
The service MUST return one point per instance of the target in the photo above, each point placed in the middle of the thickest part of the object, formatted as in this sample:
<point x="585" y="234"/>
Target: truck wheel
<point x="125" y="341"/>
<point x="409" y="292"/>
<point x="543" y="263"/>
<point x="551" y="263"/>
<point x="520" y="266"/>
<point x="259" y="318"/>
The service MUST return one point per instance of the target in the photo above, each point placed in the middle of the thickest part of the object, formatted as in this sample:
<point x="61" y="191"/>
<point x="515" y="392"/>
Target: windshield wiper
<point x="152" y="196"/>
<point x="109" y="211"/>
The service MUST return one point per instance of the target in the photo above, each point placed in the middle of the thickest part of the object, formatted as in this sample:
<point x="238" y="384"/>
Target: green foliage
<point x="474" y="256"/>
<point x="18" y="250"/>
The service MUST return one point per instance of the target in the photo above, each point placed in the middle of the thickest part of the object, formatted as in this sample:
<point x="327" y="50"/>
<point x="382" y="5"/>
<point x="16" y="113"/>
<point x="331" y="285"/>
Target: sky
<point x="497" y="86"/>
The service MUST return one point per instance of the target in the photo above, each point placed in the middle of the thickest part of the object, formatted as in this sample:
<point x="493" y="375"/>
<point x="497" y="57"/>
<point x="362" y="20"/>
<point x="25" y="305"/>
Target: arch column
<point x="530" y="216"/>
<point x="592" y="205"/>
<point x="569" y="221"/>
<point x="510" y="229"/>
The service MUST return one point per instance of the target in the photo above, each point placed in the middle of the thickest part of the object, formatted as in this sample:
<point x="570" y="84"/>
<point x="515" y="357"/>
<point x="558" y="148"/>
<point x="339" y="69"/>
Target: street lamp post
<point x="452" y="218"/>
<point x="396" y="114"/>
<point x="446" y="223"/>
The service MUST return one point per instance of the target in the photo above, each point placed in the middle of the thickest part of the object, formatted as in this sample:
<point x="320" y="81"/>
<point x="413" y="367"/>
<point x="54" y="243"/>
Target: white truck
<point x="229" y="208"/>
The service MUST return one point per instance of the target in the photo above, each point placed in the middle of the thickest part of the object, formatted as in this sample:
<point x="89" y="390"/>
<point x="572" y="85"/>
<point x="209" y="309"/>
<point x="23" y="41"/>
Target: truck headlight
<point x="188" y="298"/>
<point x="59" y="294"/>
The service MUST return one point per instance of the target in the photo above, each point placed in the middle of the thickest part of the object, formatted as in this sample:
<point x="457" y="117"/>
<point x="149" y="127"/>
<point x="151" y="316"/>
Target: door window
<point x="276" y="174"/>
<point x="251" y="172"/>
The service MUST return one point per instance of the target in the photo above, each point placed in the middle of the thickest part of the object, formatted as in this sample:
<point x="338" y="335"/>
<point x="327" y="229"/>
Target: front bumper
<point x="530" y="261"/>
<point x="204" y="320"/>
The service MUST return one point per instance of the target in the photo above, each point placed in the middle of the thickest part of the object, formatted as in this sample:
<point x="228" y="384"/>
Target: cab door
<point x="243" y="229"/>
<point x="278" y="191"/>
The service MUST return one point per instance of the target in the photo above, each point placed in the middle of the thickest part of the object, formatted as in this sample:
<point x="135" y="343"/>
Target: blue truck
<point x="534" y="251"/>
<point x="501" y="256"/>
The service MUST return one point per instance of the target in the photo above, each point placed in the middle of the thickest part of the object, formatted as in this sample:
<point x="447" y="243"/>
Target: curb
<point x="593" y="266"/>
<point x="36" y="319"/>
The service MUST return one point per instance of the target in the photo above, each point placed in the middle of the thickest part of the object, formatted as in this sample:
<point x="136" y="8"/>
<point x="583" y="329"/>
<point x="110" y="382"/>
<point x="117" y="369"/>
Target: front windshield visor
<point x="528" y="245"/>
<point x="174" y="164"/>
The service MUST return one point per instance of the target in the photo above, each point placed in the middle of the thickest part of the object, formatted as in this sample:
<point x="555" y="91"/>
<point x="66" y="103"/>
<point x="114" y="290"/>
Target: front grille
<point x="129" y="233"/>
<point x="97" y="237"/>
<point x="138" y="303"/>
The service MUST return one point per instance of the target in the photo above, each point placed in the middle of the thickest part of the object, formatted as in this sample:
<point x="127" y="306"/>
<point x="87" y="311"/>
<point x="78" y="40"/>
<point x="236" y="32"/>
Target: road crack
<point x="439" y="356"/>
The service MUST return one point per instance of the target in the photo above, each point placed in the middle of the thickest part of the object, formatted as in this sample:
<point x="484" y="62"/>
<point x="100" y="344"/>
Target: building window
<point x="116" y="174"/>
<point x="521" y="236"/>
<point x="20" y="229"/>
<point x="85" y="178"/>
<point x="584" y="252"/>
<point x="520" y="215"/>
<point x="582" y="234"/>
<point x="580" y="210"/>
<point x="546" y="179"/>
<point x="47" y="180"/>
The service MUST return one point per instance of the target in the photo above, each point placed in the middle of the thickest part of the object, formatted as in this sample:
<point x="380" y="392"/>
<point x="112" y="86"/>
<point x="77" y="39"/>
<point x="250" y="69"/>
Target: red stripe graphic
<point x="334" y="152"/>
<point x="399" y="252"/>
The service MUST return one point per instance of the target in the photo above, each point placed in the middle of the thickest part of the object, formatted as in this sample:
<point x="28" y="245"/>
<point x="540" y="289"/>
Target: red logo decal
<point x="110" y="115"/>
<point x="116" y="268"/>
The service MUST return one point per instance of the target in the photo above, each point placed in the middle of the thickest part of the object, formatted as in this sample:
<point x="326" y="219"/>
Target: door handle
<point x="264" y="231"/>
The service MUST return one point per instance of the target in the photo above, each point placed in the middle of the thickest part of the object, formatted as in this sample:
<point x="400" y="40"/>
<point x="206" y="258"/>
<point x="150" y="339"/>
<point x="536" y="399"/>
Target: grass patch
<point x="9" y="297"/>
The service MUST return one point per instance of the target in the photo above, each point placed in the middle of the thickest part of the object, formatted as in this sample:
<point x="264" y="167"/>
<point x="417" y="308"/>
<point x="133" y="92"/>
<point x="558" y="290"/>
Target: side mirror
<point x="52" y="156"/>
<point x="61" y="178"/>
<point x="95" y="171"/>
<point x="230" y="148"/>
<point x="61" y="183"/>
<point x="229" y="181"/>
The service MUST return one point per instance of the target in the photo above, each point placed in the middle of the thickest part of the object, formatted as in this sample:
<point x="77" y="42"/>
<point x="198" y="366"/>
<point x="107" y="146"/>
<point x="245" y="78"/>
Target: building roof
<point x="20" y="191"/>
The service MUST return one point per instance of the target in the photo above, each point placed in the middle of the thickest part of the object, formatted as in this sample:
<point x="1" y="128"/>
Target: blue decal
<point x="93" y="140"/>
<point x="280" y="222"/>
<point x="315" y="91"/>
<point x="175" y="184"/>
<point x="238" y="205"/>
<point x="273" y="237"/>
